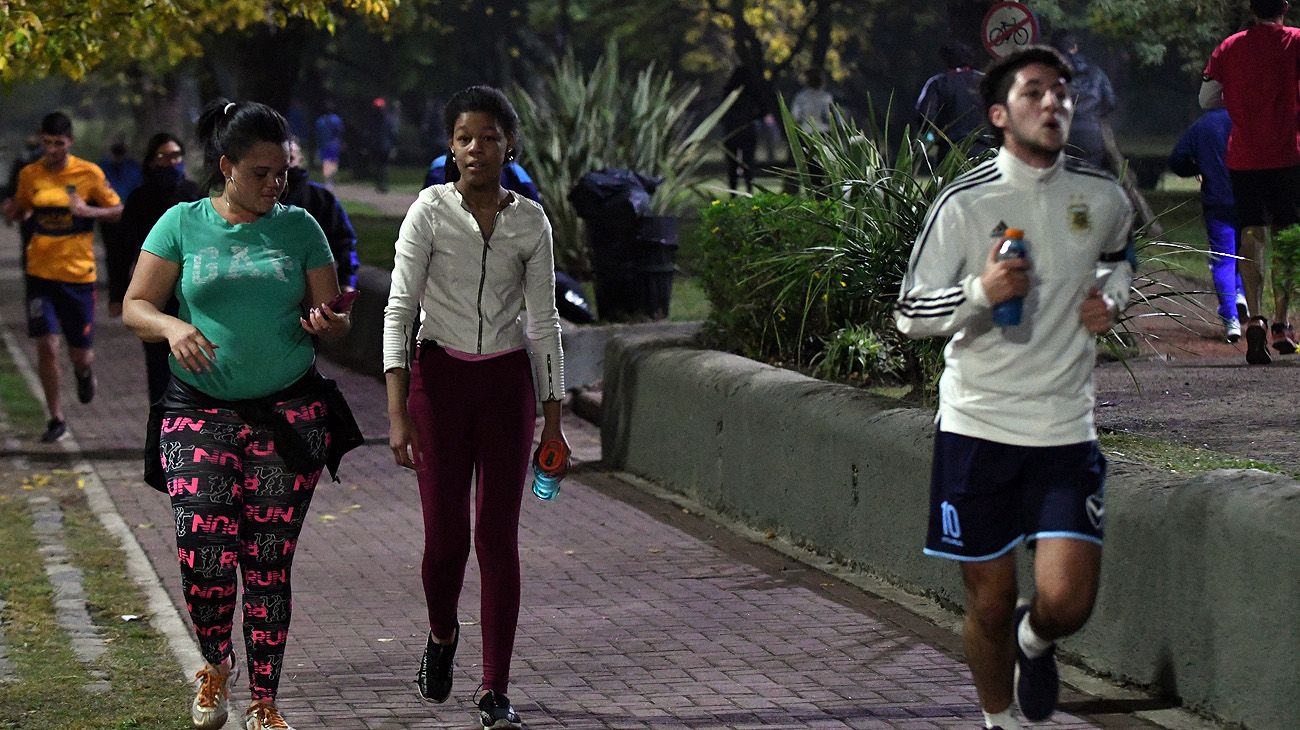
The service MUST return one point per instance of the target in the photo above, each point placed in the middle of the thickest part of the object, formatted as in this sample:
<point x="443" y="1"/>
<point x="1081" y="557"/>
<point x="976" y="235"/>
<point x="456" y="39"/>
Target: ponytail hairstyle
<point x="231" y="129"/>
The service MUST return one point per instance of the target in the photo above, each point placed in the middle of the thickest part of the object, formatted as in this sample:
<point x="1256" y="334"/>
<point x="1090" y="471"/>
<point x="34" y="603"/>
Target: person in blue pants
<point x="1200" y="152"/>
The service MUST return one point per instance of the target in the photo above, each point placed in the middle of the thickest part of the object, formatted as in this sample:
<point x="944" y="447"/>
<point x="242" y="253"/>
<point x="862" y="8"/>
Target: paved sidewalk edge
<point x="928" y="610"/>
<point x="163" y="613"/>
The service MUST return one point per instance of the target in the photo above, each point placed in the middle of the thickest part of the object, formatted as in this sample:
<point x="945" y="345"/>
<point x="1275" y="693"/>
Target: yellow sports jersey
<point x="62" y="246"/>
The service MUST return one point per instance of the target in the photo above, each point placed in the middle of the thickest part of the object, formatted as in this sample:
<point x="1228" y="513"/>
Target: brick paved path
<point x="635" y="615"/>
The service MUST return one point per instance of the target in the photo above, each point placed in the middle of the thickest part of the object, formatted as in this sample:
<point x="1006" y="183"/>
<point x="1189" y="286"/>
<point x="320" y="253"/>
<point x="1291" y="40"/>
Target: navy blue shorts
<point x="55" y="307"/>
<point x="987" y="497"/>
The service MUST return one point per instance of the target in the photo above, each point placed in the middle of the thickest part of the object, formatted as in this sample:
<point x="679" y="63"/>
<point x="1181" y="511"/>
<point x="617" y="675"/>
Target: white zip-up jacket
<point x="1029" y="385"/>
<point x="470" y="292"/>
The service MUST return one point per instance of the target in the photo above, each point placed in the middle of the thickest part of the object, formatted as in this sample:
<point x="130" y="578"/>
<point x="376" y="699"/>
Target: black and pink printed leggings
<point x="238" y="507"/>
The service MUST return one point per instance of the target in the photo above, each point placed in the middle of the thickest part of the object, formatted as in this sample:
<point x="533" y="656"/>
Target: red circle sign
<point x="1007" y="27"/>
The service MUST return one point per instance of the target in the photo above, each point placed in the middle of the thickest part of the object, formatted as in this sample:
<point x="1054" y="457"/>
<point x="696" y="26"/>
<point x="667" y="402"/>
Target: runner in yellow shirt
<point x="63" y="195"/>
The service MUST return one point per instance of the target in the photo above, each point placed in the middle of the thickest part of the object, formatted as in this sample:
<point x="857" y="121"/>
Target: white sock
<point x="1031" y="643"/>
<point x="1004" y="720"/>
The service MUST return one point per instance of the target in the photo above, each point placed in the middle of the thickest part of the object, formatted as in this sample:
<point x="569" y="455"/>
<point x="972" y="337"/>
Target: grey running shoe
<point x="495" y="712"/>
<point x="1232" y="330"/>
<point x="211" y="702"/>
<point x="262" y="715"/>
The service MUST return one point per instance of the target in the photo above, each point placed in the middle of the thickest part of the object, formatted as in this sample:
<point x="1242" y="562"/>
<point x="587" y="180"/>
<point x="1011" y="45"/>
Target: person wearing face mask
<point x="246" y="424"/>
<point x="164" y="185"/>
<point x="317" y="200"/>
<point x="472" y="256"/>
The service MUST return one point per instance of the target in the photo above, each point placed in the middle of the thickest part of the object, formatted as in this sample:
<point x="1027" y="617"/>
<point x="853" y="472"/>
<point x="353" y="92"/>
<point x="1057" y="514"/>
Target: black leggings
<point x="239" y="507"/>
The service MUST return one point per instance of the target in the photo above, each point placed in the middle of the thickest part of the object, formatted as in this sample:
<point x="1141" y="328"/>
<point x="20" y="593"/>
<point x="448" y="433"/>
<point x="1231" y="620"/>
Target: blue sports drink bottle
<point x="1012" y="246"/>
<point x="548" y="469"/>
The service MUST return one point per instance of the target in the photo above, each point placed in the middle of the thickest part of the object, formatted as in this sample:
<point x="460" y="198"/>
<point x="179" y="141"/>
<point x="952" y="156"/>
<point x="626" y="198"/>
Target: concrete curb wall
<point x="1201" y="589"/>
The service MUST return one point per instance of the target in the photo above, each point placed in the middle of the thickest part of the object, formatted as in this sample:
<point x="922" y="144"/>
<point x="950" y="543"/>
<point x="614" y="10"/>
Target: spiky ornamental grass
<point x="576" y="121"/>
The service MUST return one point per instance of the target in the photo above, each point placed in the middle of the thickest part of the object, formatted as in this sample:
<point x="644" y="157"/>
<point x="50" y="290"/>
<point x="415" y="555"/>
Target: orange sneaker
<point x="211" y="703"/>
<point x="262" y="715"/>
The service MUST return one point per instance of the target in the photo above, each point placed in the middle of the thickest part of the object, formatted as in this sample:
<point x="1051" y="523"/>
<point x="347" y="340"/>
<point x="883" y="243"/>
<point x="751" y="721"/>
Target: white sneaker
<point x="211" y="703"/>
<point x="264" y="716"/>
<point x="1232" y="330"/>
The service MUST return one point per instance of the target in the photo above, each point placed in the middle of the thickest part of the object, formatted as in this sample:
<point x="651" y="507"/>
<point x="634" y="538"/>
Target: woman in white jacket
<point x="472" y="255"/>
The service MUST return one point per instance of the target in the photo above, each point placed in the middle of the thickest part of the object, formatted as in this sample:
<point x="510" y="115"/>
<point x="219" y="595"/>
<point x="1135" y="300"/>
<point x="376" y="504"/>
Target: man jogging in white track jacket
<point x="1015" y="456"/>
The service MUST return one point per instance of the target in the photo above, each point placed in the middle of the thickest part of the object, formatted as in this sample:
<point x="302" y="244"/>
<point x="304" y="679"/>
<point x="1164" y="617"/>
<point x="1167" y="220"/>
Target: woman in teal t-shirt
<point x="243" y="434"/>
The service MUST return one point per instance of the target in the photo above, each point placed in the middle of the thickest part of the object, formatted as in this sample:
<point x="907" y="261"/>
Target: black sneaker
<point x="495" y="712"/>
<point x="85" y="386"/>
<point x="1257" y="343"/>
<point x="1283" y="338"/>
<point x="1037" y="685"/>
<point x="434" y="678"/>
<point x="54" y="431"/>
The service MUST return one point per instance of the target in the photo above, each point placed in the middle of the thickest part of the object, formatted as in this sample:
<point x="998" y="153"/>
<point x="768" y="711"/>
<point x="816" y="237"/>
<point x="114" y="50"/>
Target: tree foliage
<point x="1154" y="30"/>
<point x="40" y="38"/>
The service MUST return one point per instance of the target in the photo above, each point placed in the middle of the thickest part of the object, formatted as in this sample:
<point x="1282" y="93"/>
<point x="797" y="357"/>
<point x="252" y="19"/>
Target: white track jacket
<point x="470" y="293"/>
<point x="1029" y="385"/>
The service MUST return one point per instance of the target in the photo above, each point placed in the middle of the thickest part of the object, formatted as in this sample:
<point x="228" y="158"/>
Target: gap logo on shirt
<point x="245" y="262"/>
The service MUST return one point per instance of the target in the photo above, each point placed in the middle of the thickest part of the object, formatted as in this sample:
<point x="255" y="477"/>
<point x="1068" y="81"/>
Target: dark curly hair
<point x="486" y="99"/>
<point x="232" y="128"/>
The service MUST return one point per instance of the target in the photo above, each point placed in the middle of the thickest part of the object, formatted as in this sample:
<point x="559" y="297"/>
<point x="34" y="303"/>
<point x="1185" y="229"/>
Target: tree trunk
<point x="822" y="38"/>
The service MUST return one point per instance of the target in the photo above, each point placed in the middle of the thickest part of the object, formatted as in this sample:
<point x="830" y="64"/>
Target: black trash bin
<point x="633" y="252"/>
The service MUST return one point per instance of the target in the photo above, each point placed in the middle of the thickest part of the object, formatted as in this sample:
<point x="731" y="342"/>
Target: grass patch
<point x="25" y="412"/>
<point x="1177" y="457"/>
<point x="376" y="235"/>
<point x="407" y="179"/>
<point x="688" y="303"/>
<point x="147" y="690"/>
<point x="360" y="207"/>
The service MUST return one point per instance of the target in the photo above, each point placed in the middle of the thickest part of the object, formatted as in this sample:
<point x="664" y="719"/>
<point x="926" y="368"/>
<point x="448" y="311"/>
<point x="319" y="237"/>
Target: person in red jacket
<point x="1255" y="74"/>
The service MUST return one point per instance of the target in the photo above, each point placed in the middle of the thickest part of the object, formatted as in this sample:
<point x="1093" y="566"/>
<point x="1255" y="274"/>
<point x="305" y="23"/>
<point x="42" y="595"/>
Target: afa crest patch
<point x="1080" y="220"/>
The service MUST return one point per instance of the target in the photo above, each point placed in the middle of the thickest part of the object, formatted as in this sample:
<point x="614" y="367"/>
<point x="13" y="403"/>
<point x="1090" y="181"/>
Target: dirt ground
<point x="1191" y="386"/>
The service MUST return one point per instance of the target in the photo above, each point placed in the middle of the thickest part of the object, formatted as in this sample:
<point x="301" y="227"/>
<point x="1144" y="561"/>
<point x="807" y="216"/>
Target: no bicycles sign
<point x="1007" y="27"/>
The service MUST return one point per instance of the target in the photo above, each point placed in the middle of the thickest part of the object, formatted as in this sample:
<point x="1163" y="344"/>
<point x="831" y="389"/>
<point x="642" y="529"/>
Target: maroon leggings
<point x="473" y="419"/>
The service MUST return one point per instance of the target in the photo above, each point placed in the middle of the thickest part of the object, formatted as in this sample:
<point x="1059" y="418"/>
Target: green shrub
<point x="746" y="316"/>
<point x="1286" y="259"/>
<point x="812" y="281"/>
<point x="857" y="354"/>
<point x="575" y="121"/>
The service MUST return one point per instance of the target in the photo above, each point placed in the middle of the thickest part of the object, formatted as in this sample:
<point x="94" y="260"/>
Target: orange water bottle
<point x="548" y="469"/>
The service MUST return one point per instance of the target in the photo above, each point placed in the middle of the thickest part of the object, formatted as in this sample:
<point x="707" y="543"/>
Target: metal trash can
<point x="633" y="252"/>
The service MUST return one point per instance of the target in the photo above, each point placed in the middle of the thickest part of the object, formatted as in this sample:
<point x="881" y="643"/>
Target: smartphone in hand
<point x="343" y="302"/>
